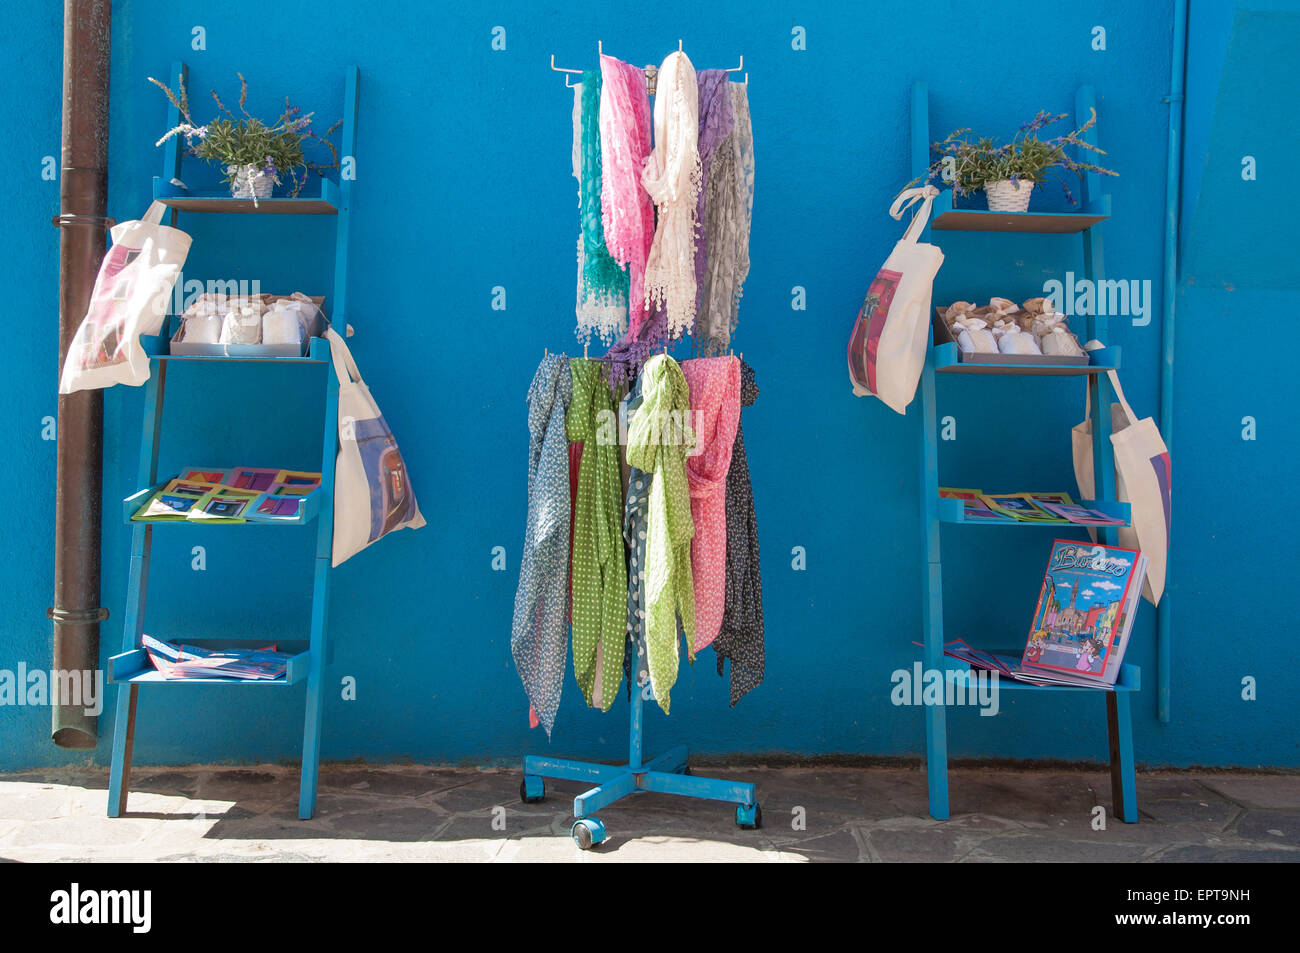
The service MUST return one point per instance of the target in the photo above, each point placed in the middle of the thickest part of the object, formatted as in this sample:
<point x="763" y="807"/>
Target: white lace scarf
<point x="728" y="210"/>
<point x="673" y="176"/>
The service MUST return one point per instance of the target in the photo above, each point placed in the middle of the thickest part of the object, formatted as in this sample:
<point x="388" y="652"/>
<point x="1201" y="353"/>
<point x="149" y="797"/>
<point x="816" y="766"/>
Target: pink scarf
<point x="714" y="384"/>
<point x="628" y="212"/>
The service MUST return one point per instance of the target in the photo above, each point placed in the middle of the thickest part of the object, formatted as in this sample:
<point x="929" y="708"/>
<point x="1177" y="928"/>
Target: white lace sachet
<point x="203" y="328"/>
<point x="1047" y="322"/>
<point x="1060" y="343"/>
<point x="283" y="324"/>
<point x="202" y="321"/>
<point x="1015" y="341"/>
<point x="242" y="326"/>
<point x="973" y="337"/>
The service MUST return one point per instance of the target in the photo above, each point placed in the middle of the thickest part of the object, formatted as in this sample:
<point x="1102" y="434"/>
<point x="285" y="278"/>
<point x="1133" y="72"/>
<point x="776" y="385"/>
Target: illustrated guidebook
<point x="1085" y="614"/>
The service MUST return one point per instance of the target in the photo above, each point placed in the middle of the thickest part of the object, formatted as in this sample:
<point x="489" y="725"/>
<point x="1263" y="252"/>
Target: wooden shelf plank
<point x="158" y="348"/>
<point x="947" y="218"/>
<point x="324" y="201"/>
<point x="947" y="361"/>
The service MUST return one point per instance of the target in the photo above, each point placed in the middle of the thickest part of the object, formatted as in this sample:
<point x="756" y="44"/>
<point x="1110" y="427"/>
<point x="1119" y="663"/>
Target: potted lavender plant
<point x="254" y="156"/>
<point x="1007" y="172"/>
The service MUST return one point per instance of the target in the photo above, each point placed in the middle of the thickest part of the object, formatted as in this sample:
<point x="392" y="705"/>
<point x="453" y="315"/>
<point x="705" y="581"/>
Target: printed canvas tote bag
<point x="888" y="341"/>
<point x="1142" y="479"/>
<point x="372" y="491"/>
<point x="130" y="298"/>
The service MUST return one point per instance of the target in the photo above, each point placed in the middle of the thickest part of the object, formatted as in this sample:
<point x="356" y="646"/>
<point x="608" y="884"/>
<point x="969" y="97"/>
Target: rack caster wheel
<point x="588" y="832"/>
<point x="749" y="817"/>
<point x="532" y="789"/>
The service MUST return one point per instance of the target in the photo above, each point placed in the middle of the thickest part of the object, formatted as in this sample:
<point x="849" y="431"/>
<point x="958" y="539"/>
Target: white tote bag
<point x="131" y="297"/>
<point x="372" y="491"/>
<point x="888" y="341"/>
<point x="1142" y="479"/>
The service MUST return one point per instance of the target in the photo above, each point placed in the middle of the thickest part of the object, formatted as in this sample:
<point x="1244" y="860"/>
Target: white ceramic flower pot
<point x="262" y="183"/>
<point x="1008" y="196"/>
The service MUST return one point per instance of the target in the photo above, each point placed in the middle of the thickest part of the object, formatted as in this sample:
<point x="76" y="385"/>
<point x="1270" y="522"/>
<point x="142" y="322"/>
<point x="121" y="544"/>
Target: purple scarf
<point x="716" y="122"/>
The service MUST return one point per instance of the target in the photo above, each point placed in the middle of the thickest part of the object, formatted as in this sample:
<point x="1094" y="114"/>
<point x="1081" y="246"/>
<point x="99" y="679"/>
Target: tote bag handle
<point x="153" y="215"/>
<point x="1115" y="386"/>
<point x="905" y="200"/>
<point x="1119" y="395"/>
<point x="344" y="366"/>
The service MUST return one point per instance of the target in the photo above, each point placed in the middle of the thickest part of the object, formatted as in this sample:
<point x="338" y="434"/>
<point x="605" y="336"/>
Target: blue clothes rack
<point x="131" y="669"/>
<point x="668" y="774"/>
<point x="944" y="359"/>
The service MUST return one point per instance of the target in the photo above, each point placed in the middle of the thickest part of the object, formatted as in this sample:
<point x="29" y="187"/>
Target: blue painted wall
<point x="463" y="184"/>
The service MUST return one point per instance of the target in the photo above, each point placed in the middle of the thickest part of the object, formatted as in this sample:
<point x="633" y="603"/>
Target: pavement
<point x="810" y="813"/>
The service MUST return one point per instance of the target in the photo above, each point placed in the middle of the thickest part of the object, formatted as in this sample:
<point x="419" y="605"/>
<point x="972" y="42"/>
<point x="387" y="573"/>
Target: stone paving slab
<point x="812" y="814"/>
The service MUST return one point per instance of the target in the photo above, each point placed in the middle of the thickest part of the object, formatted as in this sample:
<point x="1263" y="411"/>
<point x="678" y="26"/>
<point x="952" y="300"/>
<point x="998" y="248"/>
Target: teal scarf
<point x="602" y="278"/>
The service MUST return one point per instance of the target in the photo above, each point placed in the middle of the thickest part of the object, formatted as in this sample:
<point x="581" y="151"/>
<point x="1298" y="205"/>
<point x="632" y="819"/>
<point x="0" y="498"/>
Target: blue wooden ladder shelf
<point x="668" y="774"/>
<point x="131" y="669"/>
<point x="943" y="359"/>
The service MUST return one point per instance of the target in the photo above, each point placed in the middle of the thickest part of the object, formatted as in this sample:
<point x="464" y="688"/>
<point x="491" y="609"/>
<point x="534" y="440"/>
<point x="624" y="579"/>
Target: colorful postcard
<point x="275" y="507"/>
<point x="173" y="502"/>
<point x="258" y="479"/>
<point x="223" y="504"/>
<point x="292" y="489"/>
<point x="1082" y="515"/>
<point x="977" y="510"/>
<point x="282" y="503"/>
<point x="1041" y="498"/>
<point x="204" y="474"/>
<point x="954" y="493"/>
<point x="1017" y="506"/>
<point x="300" y="478"/>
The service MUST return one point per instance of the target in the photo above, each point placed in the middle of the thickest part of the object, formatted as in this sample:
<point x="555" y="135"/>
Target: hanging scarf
<point x="538" y="632"/>
<point x="628" y="355"/>
<point x="629" y="215"/>
<point x="714" y="384"/>
<point x="599" y="569"/>
<point x="715" y="128"/>
<point x="602" y="282"/>
<point x="635" y="510"/>
<point x="741" y="638"/>
<point x="729" y="205"/>
<point x="658" y="439"/>
<point x="672" y="177"/>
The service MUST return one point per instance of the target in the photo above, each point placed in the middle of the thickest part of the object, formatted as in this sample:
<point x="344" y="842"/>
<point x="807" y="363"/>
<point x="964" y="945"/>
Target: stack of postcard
<point x="1027" y="507"/>
<point x="238" y="495"/>
<point x="178" y="660"/>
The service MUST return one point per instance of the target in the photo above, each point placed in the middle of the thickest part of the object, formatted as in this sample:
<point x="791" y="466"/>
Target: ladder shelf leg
<point x="1123" y="777"/>
<point x="119" y="776"/>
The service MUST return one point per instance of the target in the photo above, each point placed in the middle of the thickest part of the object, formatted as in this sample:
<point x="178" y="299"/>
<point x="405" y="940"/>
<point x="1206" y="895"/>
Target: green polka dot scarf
<point x="658" y="439"/>
<point x="599" y="570"/>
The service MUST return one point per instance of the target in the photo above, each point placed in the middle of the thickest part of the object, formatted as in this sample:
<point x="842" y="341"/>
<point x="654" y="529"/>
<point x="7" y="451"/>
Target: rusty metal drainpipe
<point x="83" y="200"/>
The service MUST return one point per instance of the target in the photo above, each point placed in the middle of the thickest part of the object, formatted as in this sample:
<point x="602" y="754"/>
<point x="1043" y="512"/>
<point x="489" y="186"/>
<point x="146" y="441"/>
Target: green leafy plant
<point x="970" y="165"/>
<point x="237" y="143"/>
